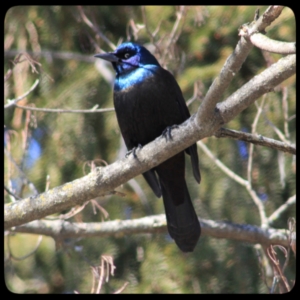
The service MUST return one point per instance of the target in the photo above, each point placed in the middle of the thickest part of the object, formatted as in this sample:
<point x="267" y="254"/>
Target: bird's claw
<point x="133" y="151"/>
<point x="167" y="132"/>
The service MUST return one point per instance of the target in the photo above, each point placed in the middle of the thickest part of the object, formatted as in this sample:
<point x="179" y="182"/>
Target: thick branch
<point x="234" y="62"/>
<point x="153" y="224"/>
<point x="220" y="84"/>
<point x="257" y="86"/>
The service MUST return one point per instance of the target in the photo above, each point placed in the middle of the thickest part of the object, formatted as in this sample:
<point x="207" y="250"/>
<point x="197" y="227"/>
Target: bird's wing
<point x="192" y="150"/>
<point x="152" y="180"/>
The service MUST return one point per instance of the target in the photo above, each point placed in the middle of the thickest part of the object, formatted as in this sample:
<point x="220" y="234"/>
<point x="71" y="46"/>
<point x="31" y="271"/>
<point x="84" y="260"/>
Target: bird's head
<point x="129" y="56"/>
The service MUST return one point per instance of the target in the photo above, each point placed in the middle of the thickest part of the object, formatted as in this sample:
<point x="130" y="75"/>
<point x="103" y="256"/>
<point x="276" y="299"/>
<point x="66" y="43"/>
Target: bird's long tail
<point x="182" y="221"/>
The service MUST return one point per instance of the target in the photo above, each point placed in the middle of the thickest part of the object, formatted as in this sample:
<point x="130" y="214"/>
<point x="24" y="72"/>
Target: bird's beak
<point x="108" y="56"/>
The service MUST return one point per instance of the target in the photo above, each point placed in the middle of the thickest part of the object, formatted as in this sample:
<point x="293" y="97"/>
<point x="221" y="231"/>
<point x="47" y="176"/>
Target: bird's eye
<point x="126" y="55"/>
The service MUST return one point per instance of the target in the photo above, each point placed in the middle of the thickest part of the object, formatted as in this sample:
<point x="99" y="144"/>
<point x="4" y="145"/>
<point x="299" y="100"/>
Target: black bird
<point x="148" y="101"/>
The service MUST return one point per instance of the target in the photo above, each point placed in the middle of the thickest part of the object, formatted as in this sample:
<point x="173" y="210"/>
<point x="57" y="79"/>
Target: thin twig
<point x="14" y="101"/>
<point x="260" y="206"/>
<point x="281" y="209"/>
<point x="180" y="14"/>
<point x="256" y="139"/>
<point x="11" y="193"/>
<point x="285" y="110"/>
<point x="249" y="188"/>
<point x="239" y="180"/>
<point x="95" y="29"/>
<point x="122" y="288"/>
<point x="276" y="266"/>
<point x="50" y="54"/>
<point x="253" y="131"/>
<point x="225" y="169"/>
<point x="75" y="111"/>
<point x="277" y="130"/>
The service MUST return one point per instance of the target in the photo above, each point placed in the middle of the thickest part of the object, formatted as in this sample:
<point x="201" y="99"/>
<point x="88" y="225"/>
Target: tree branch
<point x="265" y="43"/>
<point x="256" y="139"/>
<point x="221" y="166"/>
<point x="59" y="110"/>
<point x="257" y="86"/>
<point x="234" y="62"/>
<point x="240" y="180"/>
<point x="276" y="214"/>
<point x="60" y="229"/>
<point x="95" y="28"/>
<point x="50" y="54"/>
<point x="14" y="102"/>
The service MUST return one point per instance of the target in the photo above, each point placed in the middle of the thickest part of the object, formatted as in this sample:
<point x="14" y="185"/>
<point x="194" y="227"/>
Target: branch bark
<point x="256" y="139"/>
<point x="263" y="42"/>
<point x="61" y="229"/>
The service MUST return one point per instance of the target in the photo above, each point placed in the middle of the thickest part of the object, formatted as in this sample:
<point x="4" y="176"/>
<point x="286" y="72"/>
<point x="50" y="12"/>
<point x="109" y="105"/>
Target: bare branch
<point x="122" y="288"/>
<point x="260" y="24"/>
<point x="257" y="86"/>
<point x="239" y="180"/>
<point x="220" y="84"/>
<point x="264" y="43"/>
<point x="259" y="204"/>
<point x="222" y="167"/>
<point x="277" y="269"/>
<point x="11" y="193"/>
<point x="172" y="38"/>
<point x="14" y="101"/>
<point x="251" y="148"/>
<point x="58" y="110"/>
<point x="154" y="224"/>
<point x="249" y="187"/>
<point x="95" y="29"/>
<point x="50" y="54"/>
<point x="256" y="139"/>
<point x="285" y="110"/>
<point x="234" y="63"/>
<point x="276" y="214"/>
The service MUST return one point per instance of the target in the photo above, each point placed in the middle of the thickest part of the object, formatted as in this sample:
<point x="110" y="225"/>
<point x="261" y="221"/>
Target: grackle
<point x="148" y="102"/>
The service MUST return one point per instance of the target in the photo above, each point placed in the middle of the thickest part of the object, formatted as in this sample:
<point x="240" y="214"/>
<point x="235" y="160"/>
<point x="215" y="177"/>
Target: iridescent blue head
<point x="129" y="56"/>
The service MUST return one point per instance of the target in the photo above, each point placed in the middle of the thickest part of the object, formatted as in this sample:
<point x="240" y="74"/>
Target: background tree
<point x="44" y="150"/>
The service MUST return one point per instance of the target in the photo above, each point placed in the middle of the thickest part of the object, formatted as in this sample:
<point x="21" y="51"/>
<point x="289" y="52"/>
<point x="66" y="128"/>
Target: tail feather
<point x="182" y="221"/>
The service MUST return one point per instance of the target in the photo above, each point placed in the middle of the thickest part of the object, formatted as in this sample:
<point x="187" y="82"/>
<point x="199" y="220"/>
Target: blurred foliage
<point x="201" y="42"/>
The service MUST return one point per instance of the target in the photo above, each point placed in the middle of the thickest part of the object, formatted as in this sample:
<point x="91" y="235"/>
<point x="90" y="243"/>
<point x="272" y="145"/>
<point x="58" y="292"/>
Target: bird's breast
<point x="145" y="105"/>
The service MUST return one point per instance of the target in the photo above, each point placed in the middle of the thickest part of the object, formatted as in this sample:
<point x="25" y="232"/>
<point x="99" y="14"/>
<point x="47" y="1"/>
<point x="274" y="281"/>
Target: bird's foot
<point x="133" y="151"/>
<point x="167" y="132"/>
